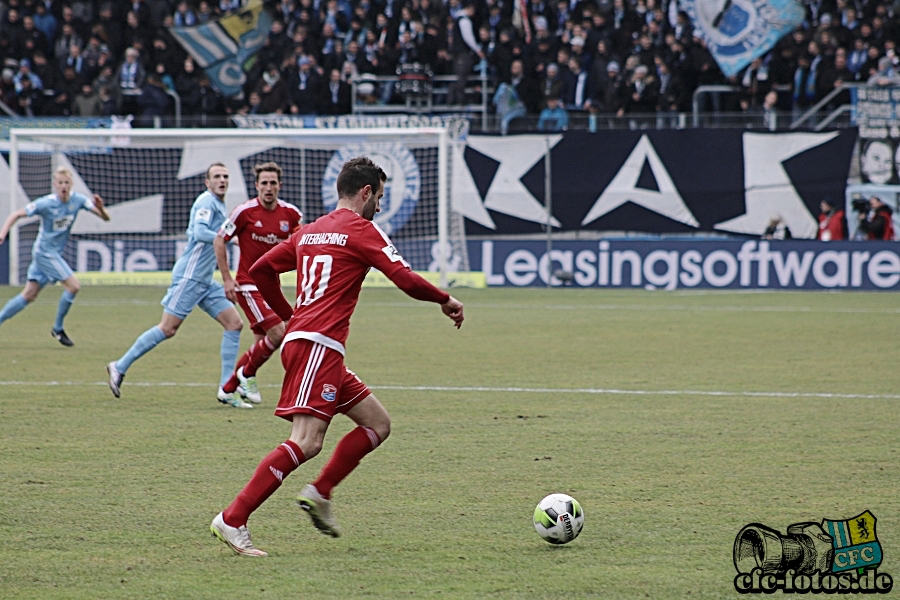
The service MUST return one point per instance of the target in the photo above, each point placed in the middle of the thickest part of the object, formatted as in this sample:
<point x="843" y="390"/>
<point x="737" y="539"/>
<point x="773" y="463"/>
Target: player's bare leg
<point x="374" y="426"/>
<point x="18" y="302"/>
<point x="72" y="287"/>
<point x="147" y="341"/>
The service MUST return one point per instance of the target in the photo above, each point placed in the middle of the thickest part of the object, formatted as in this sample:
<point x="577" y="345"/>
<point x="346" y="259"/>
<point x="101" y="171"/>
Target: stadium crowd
<point x="97" y="58"/>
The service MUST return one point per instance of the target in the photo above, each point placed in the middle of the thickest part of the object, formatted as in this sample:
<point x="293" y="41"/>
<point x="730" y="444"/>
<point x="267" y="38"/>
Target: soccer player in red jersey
<point x="259" y="225"/>
<point x="331" y="257"/>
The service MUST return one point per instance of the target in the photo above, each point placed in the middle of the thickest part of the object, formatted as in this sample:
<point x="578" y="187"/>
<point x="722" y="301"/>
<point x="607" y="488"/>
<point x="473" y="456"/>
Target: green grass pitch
<point x="697" y="414"/>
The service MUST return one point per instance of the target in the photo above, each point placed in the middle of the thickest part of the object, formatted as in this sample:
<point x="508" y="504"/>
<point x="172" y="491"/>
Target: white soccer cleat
<point x="319" y="510"/>
<point x="236" y="538"/>
<point x="115" y="378"/>
<point x="250" y="389"/>
<point x="232" y="400"/>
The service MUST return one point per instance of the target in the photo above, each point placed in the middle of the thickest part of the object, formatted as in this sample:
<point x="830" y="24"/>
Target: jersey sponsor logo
<point x="329" y="392"/>
<point x="267" y="239"/>
<point x="203" y="215"/>
<point x="228" y="227"/>
<point x="284" y="225"/>
<point x="339" y="239"/>
<point x="62" y="223"/>
<point x="401" y="190"/>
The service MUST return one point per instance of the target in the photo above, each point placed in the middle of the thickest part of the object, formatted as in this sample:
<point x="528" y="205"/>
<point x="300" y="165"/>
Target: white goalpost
<point x="149" y="178"/>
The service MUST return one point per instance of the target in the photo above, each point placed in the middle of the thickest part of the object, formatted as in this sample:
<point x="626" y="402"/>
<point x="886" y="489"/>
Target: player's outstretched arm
<point x="10" y="221"/>
<point x="453" y="308"/>
<point x="265" y="273"/>
<point x="100" y="208"/>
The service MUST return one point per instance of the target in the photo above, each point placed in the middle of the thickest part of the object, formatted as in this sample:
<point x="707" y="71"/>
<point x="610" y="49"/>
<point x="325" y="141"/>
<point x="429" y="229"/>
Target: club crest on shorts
<point x="329" y="392"/>
<point x="401" y="190"/>
<point x="284" y="225"/>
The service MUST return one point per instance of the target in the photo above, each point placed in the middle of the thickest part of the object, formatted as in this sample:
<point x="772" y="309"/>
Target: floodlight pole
<point x="548" y="201"/>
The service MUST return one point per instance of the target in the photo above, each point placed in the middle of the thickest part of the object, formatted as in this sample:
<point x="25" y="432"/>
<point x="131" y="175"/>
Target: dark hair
<point x="356" y="174"/>
<point x="215" y="164"/>
<point x="269" y="167"/>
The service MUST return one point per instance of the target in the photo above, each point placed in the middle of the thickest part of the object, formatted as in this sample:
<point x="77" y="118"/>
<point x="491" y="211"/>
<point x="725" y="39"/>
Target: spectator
<point x="526" y="87"/>
<point x="130" y="81"/>
<point x="187" y="85"/>
<point x="554" y="117"/>
<point x="777" y="229"/>
<point x="153" y="101"/>
<point x="45" y="22"/>
<point x="552" y="86"/>
<point x="464" y="50"/>
<point x="66" y="40"/>
<point x="881" y="225"/>
<point x="25" y="74"/>
<point x="336" y="98"/>
<point x="184" y="16"/>
<point x="87" y="103"/>
<point x="832" y="222"/>
<point x="642" y="93"/>
<point x="886" y="74"/>
<point x="576" y="89"/>
<point x="108" y="101"/>
<point x="272" y="90"/>
<point x="8" y="87"/>
<point x="29" y="101"/>
<point x="306" y="89"/>
<point x="32" y="39"/>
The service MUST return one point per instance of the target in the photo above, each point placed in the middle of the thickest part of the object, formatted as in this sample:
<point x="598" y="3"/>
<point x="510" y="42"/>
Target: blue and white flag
<point x="226" y="47"/>
<point x="737" y="31"/>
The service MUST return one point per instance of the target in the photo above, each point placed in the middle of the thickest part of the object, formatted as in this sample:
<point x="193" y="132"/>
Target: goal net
<point x="150" y="178"/>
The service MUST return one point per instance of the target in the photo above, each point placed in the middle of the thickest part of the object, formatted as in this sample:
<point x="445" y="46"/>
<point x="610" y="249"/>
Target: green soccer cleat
<point x="251" y="390"/>
<point x="319" y="510"/>
<point x="231" y="399"/>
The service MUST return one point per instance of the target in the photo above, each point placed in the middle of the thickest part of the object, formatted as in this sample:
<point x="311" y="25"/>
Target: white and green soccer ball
<point x="558" y="518"/>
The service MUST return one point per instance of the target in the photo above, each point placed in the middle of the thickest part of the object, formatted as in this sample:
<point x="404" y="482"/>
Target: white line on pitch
<point x="512" y="390"/>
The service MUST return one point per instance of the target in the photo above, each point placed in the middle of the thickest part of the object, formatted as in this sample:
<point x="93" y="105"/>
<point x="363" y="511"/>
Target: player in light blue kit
<point x="193" y="285"/>
<point x="57" y="212"/>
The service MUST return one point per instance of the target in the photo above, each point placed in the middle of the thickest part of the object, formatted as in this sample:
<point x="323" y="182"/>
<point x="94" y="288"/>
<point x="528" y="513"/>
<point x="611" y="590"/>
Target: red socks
<point x="266" y="479"/>
<point x="258" y="354"/>
<point x="251" y="360"/>
<point x="347" y="456"/>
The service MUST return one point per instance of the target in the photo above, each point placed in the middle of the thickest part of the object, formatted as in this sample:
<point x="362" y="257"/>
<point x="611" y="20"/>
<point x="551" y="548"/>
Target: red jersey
<point x="331" y="257"/>
<point x="258" y="230"/>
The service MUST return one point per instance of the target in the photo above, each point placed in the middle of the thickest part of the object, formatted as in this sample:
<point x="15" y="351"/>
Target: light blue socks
<point x="231" y="341"/>
<point x="65" y="303"/>
<point x="13" y="307"/>
<point x="146" y="342"/>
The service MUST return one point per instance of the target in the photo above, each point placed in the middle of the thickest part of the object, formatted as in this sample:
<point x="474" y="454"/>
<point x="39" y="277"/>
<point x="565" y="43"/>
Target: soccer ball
<point x="558" y="518"/>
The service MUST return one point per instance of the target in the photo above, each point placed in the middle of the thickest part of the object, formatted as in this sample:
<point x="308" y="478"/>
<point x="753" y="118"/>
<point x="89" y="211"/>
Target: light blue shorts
<point x="184" y="295"/>
<point x="48" y="267"/>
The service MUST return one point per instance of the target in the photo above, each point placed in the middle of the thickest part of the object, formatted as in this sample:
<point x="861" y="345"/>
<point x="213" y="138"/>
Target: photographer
<point x="832" y="222"/>
<point x="880" y="226"/>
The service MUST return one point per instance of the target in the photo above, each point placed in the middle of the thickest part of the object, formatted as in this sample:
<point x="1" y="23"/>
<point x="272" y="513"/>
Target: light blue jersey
<point x="57" y="218"/>
<point x="199" y="259"/>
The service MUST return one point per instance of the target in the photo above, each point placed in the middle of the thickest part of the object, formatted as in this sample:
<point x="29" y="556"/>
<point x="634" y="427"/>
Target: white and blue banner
<point x="225" y="48"/>
<point x="737" y="31"/>
<point x="709" y="264"/>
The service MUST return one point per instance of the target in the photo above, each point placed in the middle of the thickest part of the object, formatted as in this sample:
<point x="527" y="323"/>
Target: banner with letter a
<point x="737" y="31"/>
<point x="225" y="47"/>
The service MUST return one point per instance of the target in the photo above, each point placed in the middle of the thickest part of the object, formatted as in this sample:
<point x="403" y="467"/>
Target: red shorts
<point x="262" y="318"/>
<point x="316" y="382"/>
